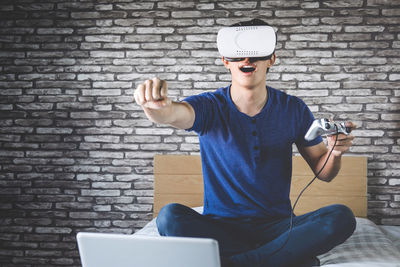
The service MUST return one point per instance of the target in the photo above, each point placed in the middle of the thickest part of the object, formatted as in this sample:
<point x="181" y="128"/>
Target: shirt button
<point x="254" y="133"/>
<point x="255" y="147"/>
<point x="253" y="121"/>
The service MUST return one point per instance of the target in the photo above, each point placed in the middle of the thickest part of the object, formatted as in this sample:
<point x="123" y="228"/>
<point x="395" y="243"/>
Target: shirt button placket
<point x="256" y="142"/>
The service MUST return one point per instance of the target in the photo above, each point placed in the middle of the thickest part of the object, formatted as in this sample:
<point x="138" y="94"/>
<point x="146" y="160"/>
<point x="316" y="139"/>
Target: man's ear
<point x="272" y="59"/>
<point x="226" y="62"/>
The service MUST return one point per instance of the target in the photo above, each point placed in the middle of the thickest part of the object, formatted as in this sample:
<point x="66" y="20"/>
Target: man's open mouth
<point x="247" y="69"/>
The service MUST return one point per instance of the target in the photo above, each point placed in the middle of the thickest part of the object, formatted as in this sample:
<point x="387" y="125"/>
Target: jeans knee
<point x="342" y="221"/>
<point x="166" y="218"/>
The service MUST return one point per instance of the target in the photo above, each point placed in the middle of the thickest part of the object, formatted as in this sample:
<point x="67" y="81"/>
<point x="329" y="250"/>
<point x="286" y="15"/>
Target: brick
<point x="117" y="169"/>
<point x="102" y="38"/>
<point x="82" y="168"/>
<point x="238" y="5"/>
<point x="309" y="37"/>
<point x="113" y="185"/>
<point x="319" y="85"/>
<point x="94" y="115"/>
<point x="101" y="193"/>
<point x="133" y="207"/>
<point x="290" y="13"/>
<point x="102" y="54"/>
<point x="391" y="117"/>
<point x="385" y="3"/>
<point x="102" y="92"/>
<point x="394" y="181"/>
<point x="135" y="6"/>
<point x="144" y="54"/>
<point x="102" y="138"/>
<point x="9" y="138"/>
<point x="54" y="130"/>
<point x="366" y="149"/>
<point x="52" y="230"/>
<point x="69" y="106"/>
<point x="17" y="85"/>
<point x="120" y="146"/>
<point x="114" y="130"/>
<point x="301" y="77"/>
<point x="94" y="177"/>
<point x="311" y="53"/>
<point x="342" y="3"/>
<point x="186" y="14"/>
<point x="351" y="37"/>
<point x="44" y="154"/>
<point x="380" y="107"/>
<point x="63" y="261"/>
<point x="96" y="77"/>
<point x="117" y="68"/>
<point x="114" y="200"/>
<point x="63" y="84"/>
<point x="197" y="77"/>
<point x="107" y="85"/>
<point x="10" y="54"/>
<point x="353" y="53"/>
<point x="370" y="99"/>
<point x="380" y="45"/>
<point x="105" y="154"/>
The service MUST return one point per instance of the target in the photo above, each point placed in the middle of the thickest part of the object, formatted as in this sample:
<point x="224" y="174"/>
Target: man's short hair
<point x="253" y="22"/>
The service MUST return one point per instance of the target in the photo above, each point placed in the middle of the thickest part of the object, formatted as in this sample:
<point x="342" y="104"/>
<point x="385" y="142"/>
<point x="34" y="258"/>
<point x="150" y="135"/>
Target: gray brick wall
<point x="76" y="152"/>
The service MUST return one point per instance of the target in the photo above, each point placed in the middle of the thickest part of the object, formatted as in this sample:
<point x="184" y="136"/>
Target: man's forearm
<point x="331" y="169"/>
<point x="161" y="116"/>
<point x="178" y="114"/>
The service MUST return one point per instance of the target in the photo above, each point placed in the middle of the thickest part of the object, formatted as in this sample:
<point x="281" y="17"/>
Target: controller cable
<point x="298" y="197"/>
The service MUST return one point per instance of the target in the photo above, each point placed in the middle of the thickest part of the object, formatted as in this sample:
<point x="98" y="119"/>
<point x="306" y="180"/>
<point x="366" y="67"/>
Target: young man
<point x="246" y="132"/>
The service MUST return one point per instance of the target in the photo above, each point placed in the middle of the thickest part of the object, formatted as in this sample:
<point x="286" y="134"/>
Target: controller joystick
<point x="326" y="127"/>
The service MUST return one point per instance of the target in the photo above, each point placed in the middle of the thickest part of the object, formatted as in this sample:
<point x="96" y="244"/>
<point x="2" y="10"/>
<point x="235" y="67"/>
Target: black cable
<point x="298" y="197"/>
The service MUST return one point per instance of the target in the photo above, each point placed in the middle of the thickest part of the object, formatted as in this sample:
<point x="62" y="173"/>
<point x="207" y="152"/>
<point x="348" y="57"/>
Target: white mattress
<point x="369" y="246"/>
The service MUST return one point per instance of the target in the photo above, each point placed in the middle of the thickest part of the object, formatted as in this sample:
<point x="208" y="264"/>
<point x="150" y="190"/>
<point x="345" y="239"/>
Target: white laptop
<point x="120" y="250"/>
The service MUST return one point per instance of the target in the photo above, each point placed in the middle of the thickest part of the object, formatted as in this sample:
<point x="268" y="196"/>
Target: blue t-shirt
<point x="247" y="161"/>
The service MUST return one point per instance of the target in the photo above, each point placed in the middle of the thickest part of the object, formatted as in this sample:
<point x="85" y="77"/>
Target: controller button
<point x="326" y="120"/>
<point x="327" y="125"/>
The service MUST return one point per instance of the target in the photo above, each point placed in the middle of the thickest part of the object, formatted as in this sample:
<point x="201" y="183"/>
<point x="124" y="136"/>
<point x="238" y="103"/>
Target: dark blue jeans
<point x="254" y="242"/>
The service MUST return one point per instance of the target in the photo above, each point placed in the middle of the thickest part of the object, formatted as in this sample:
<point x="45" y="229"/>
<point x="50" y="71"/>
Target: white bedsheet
<point x="368" y="246"/>
<point x="393" y="233"/>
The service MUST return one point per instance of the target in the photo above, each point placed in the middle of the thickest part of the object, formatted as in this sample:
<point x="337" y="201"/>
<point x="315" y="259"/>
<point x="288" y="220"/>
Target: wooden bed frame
<point x="179" y="179"/>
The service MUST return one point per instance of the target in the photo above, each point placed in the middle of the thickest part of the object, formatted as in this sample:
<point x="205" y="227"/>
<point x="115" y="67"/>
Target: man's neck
<point x="249" y="100"/>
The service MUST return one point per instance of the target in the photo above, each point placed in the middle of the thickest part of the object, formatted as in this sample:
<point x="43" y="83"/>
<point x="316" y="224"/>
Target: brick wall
<point x="76" y="152"/>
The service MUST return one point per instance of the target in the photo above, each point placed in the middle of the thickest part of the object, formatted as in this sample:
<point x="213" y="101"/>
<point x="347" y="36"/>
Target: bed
<point x="178" y="179"/>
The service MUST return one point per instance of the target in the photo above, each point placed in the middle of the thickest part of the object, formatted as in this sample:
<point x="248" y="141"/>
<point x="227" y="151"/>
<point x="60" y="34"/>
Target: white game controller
<point x="326" y="127"/>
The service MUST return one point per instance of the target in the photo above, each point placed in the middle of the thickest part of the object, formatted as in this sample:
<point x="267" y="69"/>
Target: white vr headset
<point x="246" y="41"/>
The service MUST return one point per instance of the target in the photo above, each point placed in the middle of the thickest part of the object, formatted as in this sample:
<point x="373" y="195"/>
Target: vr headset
<point x="254" y="42"/>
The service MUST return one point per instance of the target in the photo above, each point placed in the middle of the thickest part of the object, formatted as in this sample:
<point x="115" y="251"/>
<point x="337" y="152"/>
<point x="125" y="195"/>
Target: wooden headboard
<point x="179" y="179"/>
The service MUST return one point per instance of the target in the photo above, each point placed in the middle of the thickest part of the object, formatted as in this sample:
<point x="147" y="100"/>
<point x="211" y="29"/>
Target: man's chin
<point x="249" y="83"/>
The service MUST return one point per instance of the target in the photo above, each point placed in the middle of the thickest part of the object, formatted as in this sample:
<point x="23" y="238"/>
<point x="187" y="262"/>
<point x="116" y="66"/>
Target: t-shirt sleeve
<point x="203" y="109"/>
<point x="305" y="120"/>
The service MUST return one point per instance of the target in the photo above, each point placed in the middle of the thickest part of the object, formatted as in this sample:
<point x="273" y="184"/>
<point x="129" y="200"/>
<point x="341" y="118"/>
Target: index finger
<point x="350" y="125"/>
<point x="164" y="89"/>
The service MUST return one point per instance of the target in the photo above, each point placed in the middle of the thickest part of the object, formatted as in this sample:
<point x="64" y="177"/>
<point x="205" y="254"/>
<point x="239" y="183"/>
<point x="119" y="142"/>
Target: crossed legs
<point x="255" y="242"/>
